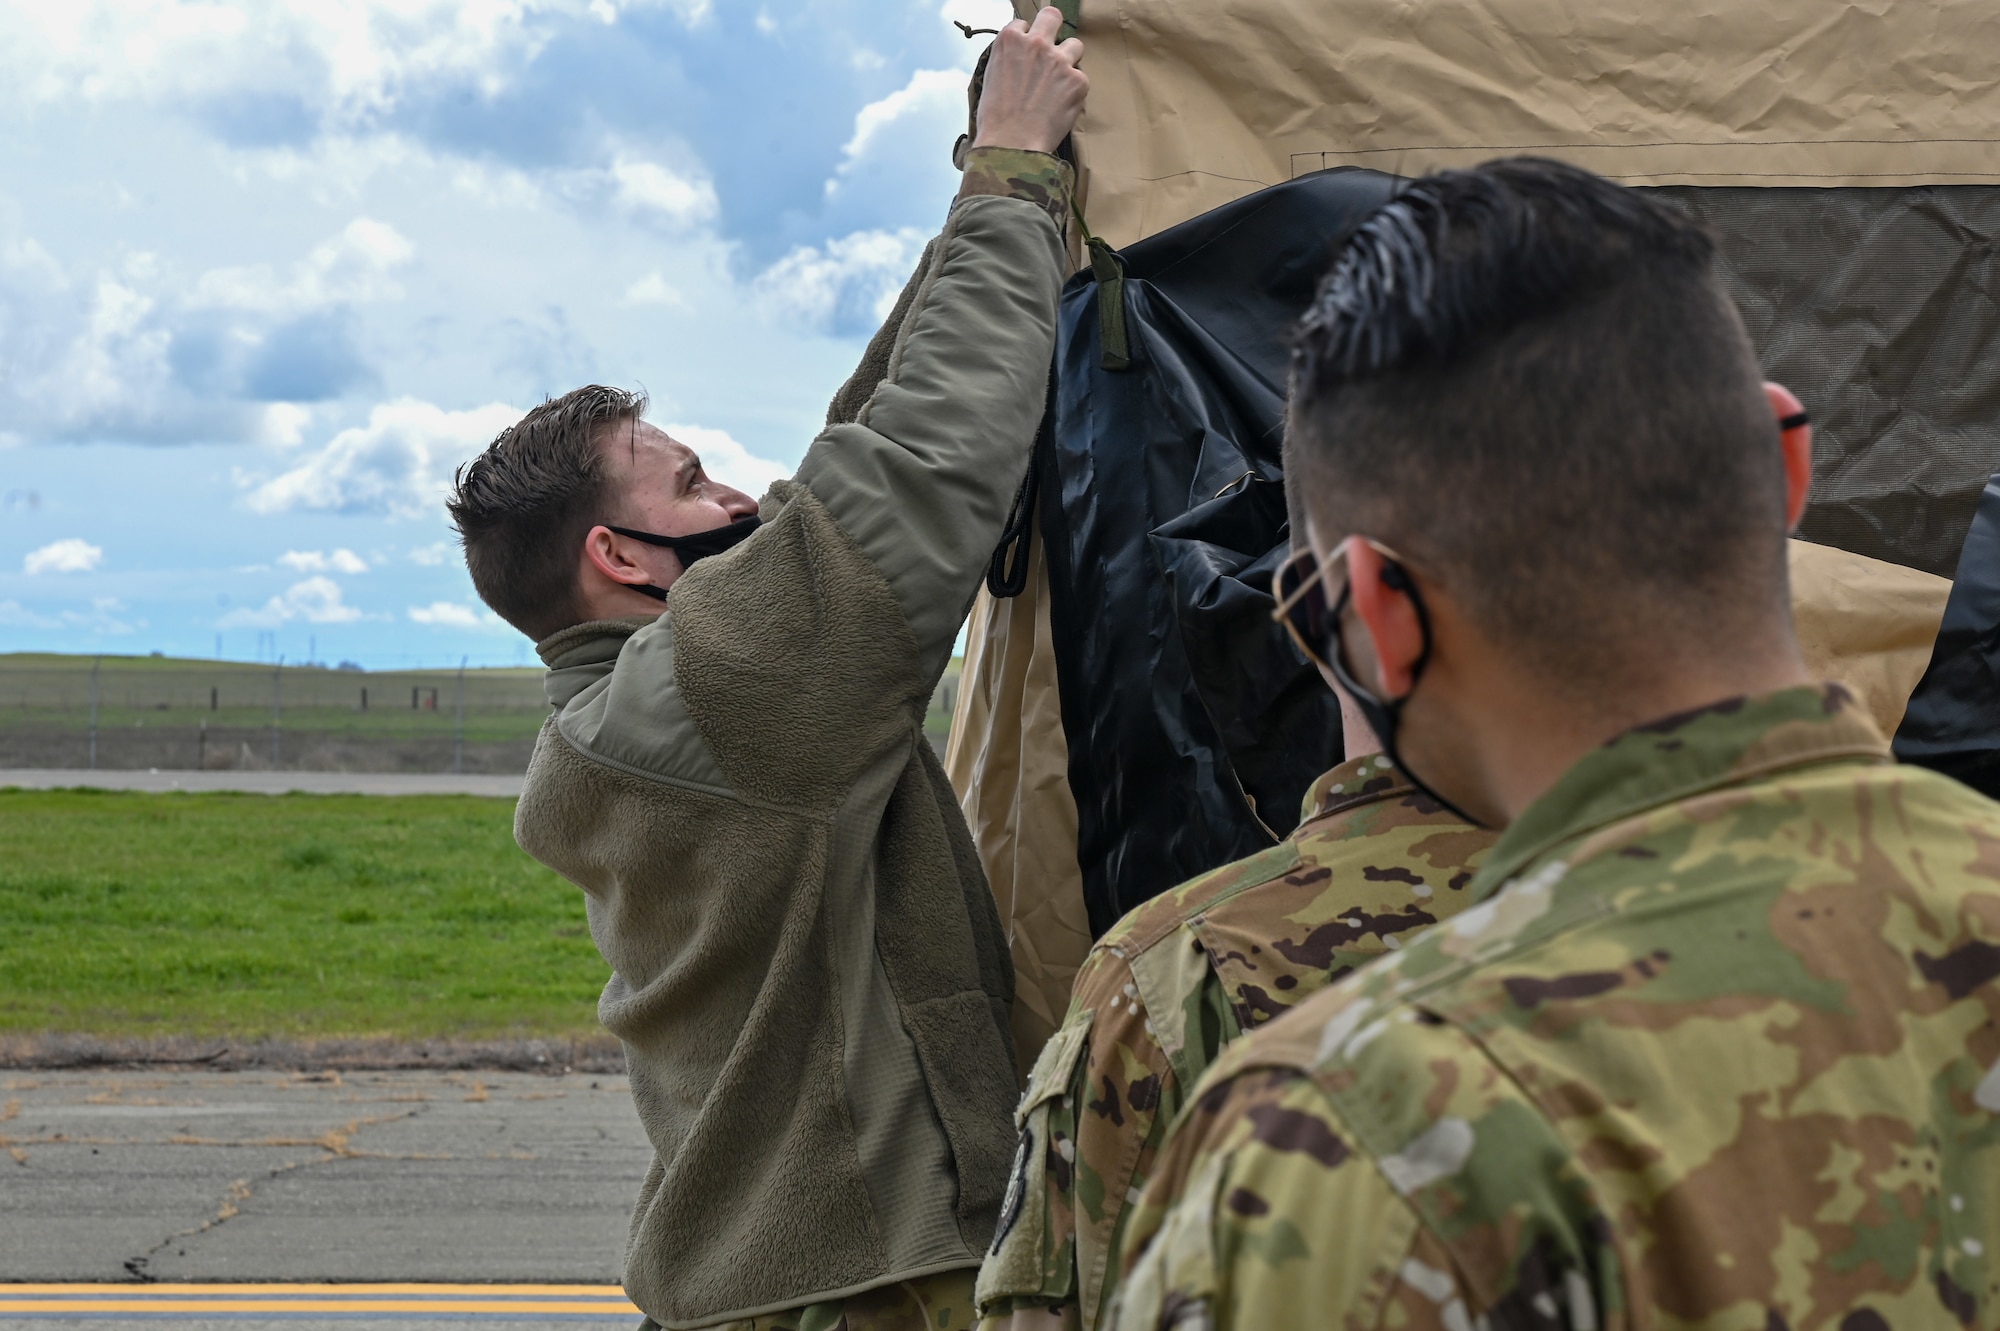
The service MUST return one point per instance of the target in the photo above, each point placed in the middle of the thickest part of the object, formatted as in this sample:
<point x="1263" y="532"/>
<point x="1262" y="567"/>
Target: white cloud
<point x="929" y="96"/>
<point x="316" y="601"/>
<point x="140" y="350"/>
<point x="284" y="424"/>
<point x="320" y="561"/>
<point x="433" y="555"/>
<point x="849" y="282"/>
<point x="652" y="289"/>
<point x="651" y="190"/>
<point x="452" y="615"/>
<point x="351" y="267"/>
<point x="349" y="59"/>
<point x="398" y="464"/>
<point x="913" y="128"/>
<point x="728" y="461"/>
<point x="112" y="359"/>
<point x="102" y="617"/>
<point x="14" y="615"/>
<point x="70" y="556"/>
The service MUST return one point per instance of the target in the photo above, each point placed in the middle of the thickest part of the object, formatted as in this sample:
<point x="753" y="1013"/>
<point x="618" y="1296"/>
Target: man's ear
<point x="1387" y="654"/>
<point x="1796" y="446"/>
<point x="616" y="558"/>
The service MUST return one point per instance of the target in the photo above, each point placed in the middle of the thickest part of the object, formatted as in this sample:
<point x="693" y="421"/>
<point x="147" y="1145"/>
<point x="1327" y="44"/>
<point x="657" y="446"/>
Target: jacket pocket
<point x="1033" y="1257"/>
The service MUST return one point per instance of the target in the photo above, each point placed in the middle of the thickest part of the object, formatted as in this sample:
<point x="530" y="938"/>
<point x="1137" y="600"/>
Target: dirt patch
<point x="599" y="1053"/>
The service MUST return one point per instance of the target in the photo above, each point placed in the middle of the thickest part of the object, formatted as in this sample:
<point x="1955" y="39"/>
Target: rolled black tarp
<point x="1194" y="725"/>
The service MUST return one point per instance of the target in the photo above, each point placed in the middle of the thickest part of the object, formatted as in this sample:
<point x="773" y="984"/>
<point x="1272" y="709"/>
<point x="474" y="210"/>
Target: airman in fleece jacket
<point x="809" y="976"/>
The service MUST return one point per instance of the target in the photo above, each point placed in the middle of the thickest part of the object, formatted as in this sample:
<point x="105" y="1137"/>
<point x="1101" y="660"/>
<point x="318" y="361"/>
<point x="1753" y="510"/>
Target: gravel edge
<point x="599" y="1053"/>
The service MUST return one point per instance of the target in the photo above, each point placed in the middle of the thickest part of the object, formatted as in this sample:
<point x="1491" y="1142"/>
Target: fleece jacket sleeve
<point x="923" y="480"/>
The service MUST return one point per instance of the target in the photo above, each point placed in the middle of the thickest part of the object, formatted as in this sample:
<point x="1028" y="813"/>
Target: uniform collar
<point x="1678" y="757"/>
<point x="1356" y="781"/>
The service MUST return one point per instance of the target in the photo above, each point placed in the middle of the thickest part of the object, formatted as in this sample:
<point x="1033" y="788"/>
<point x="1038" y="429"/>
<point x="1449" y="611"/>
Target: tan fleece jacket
<point x="809" y="975"/>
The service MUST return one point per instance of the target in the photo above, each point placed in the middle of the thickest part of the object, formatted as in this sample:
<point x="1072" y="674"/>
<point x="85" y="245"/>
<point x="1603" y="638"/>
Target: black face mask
<point x="1317" y="630"/>
<point x="1385" y="715"/>
<point x="693" y="546"/>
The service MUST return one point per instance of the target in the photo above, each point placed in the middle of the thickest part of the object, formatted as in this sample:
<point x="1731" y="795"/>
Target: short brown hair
<point x="522" y="507"/>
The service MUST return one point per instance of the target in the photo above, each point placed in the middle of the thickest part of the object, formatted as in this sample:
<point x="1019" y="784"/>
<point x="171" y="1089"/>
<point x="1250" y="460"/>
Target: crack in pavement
<point x="336" y="1142"/>
<point x="12" y="1109"/>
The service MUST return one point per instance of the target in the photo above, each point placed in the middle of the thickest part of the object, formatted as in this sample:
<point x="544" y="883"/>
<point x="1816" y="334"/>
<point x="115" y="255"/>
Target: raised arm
<point x="923" y="478"/>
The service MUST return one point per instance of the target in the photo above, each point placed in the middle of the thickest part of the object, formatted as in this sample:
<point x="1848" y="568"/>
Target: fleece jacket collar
<point x="580" y="655"/>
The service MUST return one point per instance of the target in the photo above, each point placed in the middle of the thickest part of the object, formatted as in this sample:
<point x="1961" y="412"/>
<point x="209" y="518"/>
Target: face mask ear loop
<point x="1385" y="715"/>
<point x="1397" y="578"/>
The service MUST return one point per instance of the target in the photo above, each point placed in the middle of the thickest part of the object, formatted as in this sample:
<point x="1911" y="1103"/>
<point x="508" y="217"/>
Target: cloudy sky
<point x="270" y="269"/>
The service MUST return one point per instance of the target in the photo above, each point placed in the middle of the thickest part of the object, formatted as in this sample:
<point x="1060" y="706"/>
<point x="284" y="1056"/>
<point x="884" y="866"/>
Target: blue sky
<point x="269" y="271"/>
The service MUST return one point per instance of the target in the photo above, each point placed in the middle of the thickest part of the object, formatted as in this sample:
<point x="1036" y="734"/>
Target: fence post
<point x="458" y="732"/>
<point x="277" y="710"/>
<point x="95" y="662"/>
<point x="201" y="747"/>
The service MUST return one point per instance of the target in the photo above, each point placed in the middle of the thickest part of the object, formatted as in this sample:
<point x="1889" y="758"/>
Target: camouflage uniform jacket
<point x="1179" y="977"/>
<point x="1716" y="1048"/>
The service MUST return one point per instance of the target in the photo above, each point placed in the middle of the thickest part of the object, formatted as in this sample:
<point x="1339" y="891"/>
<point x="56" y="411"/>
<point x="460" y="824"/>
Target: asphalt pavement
<point x="137" y="1182"/>
<point x="266" y="783"/>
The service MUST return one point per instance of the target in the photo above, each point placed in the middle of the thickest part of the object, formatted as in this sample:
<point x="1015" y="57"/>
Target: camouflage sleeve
<point x="1090" y="1102"/>
<point x="1262" y="1209"/>
<point x="1085" y="1153"/>
<point x="1032" y="1261"/>
<point x="1016" y="173"/>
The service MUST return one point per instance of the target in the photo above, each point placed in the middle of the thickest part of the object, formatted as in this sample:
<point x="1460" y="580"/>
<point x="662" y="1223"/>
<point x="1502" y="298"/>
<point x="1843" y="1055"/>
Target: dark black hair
<point x="1531" y="381"/>
<point x="523" y="506"/>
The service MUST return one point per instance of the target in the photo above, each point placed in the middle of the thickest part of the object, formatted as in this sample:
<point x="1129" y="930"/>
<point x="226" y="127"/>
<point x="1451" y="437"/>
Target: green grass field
<point x="296" y="916"/>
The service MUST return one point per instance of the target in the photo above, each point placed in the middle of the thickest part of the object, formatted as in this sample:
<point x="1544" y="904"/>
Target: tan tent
<point x="1845" y="155"/>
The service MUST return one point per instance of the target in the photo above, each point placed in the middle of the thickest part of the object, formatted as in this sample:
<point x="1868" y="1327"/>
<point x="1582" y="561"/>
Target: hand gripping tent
<point x="1846" y="156"/>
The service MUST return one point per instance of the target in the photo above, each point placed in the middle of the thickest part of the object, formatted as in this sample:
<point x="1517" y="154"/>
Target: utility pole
<point x="277" y="709"/>
<point x="458" y="736"/>
<point x="95" y="662"/>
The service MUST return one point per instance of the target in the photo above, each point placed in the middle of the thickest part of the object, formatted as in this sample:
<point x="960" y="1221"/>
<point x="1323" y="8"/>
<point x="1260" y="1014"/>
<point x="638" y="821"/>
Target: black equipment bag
<point x="1194" y="725"/>
<point x="1953" y="723"/>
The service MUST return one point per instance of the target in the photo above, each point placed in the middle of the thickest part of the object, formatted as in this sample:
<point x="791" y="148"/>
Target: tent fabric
<point x="1009" y="762"/>
<point x="1845" y="158"/>
<point x="1876" y="306"/>
<point x="1867" y="623"/>
<point x="1951" y="722"/>
<point x="1197" y="102"/>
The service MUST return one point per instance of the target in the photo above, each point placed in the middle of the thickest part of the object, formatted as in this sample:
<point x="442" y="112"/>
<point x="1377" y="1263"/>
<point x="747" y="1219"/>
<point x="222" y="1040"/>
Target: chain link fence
<point x="122" y="712"/>
<point x="134" y="713"/>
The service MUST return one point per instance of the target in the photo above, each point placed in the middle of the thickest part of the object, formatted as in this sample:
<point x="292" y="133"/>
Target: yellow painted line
<point x="304" y="1287"/>
<point x="103" y="1305"/>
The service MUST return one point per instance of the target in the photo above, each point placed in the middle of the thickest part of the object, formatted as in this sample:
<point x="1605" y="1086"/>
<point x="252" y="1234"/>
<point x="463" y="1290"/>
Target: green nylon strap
<point x="1109" y="270"/>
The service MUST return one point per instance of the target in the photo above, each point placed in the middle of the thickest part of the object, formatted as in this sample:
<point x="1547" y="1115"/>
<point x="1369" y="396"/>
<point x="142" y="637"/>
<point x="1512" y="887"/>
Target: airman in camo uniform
<point x="1372" y="861"/>
<point x="1717" y="1048"/>
<point x="1718" y="1045"/>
